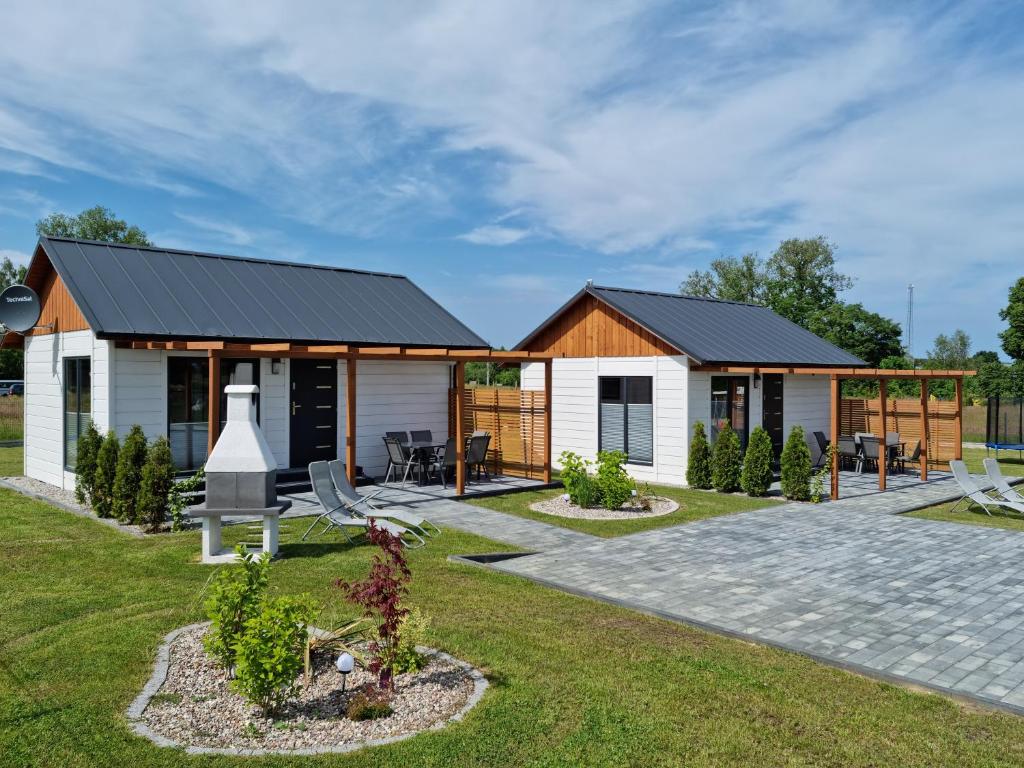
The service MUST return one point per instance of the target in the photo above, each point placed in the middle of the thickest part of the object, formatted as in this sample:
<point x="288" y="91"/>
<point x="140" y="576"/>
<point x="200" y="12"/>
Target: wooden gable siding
<point x="57" y="307"/>
<point x="590" y="328"/>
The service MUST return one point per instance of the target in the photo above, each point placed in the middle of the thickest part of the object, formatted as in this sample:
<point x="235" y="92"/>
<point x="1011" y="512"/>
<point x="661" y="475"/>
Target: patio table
<point x="422" y="451"/>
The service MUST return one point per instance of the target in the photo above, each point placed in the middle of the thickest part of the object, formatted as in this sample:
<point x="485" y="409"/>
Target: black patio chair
<point x="869" y="450"/>
<point x="446" y="461"/>
<point x="476" y="455"/>
<point x="823" y="444"/>
<point x="849" y="454"/>
<point x="908" y="458"/>
<point x="398" y="460"/>
<point x="422" y="436"/>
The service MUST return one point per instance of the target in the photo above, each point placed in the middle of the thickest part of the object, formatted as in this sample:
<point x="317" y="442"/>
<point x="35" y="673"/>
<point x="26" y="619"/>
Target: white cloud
<point x="18" y="257"/>
<point x="494" y="234"/>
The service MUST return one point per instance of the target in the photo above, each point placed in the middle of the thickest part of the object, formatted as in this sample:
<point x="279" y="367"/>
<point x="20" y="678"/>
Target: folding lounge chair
<point x="974" y="493"/>
<point x="337" y="515"/>
<point x="361" y="506"/>
<point x="995" y="476"/>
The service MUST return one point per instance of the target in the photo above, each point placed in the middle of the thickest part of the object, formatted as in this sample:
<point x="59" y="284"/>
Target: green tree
<point x="698" y="465"/>
<point x="130" y="461"/>
<point x="859" y="331"/>
<point x="1013" y="313"/>
<point x="950" y="352"/>
<point x="492" y="374"/>
<point x="796" y="466"/>
<point x="96" y="223"/>
<point x="757" y="464"/>
<point x="993" y="380"/>
<point x="155" y="485"/>
<point x="86" y="454"/>
<point x="106" y="471"/>
<point x="726" y="461"/>
<point x="729" y="278"/>
<point x="801" y="278"/>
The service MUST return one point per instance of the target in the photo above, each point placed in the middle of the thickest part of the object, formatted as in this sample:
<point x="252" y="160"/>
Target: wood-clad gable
<point x="590" y="328"/>
<point x="59" y="312"/>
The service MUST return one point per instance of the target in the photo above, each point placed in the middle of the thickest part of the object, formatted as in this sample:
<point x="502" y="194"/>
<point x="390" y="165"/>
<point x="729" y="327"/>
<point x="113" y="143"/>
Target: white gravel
<point x="195" y="707"/>
<point x="559" y="506"/>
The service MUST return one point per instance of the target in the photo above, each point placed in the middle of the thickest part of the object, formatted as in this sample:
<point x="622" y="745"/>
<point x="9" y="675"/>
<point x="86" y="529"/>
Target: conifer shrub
<point x="85" y="463"/>
<point x="757" y="464"/>
<point x="155" y="485"/>
<point x="796" y="466"/>
<point x="726" y="461"/>
<point x="698" y="467"/>
<point x="130" y="461"/>
<point x="106" y="471"/>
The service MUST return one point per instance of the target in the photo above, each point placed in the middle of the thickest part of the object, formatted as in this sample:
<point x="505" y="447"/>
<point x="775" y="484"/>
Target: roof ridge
<point x="228" y="256"/>
<point x="689" y="296"/>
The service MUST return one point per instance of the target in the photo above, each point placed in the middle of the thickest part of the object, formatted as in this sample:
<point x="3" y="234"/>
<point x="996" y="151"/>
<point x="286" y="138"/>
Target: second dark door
<point x="771" y="414"/>
<point x="314" y="411"/>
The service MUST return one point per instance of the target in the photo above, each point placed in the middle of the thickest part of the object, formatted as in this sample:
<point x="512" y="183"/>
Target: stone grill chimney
<point x="241" y="472"/>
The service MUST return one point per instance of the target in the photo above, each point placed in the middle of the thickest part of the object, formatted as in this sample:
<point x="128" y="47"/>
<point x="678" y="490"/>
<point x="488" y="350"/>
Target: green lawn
<point x="11" y="461"/>
<point x="693" y="505"/>
<point x="1009" y="462"/>
<point x="574" y="682"/>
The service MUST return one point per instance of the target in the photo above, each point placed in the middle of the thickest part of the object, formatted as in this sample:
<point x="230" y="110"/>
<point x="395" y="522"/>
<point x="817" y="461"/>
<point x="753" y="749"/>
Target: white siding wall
<point x="140" y="391"/>
<point x="574" y="406"/>
<point x="806" y="401"/>
<point x="274" y="405"/>
<point x="44" y="398"/>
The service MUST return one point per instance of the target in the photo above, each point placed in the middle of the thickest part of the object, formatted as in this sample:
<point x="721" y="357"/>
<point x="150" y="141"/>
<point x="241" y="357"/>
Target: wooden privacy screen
<point x="904" y="416"/>
<point x="515" y="419"/>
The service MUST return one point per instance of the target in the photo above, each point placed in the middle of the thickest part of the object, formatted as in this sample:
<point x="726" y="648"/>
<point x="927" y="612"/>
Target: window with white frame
<point x="626" y="416"/>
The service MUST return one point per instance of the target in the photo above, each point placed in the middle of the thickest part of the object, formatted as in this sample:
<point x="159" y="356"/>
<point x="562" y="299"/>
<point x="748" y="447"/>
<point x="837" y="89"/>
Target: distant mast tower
<point x="909" y="328"/>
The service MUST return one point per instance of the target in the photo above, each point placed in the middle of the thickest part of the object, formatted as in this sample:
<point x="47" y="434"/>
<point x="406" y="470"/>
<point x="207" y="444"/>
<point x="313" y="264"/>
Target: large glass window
<point x="188" y="384"/>
<point x="729" y="404"/>
<point x="626" y="418"/>
<point x="77" y="405"/>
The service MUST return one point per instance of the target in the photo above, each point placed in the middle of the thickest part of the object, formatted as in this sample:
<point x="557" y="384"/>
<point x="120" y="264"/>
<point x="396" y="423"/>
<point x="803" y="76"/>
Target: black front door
<point x="314" y="409"/>
<point x="771" y="413"/>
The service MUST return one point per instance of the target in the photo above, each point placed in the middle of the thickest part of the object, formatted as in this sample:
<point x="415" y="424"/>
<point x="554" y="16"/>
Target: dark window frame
<point x="744" y="436"/>
<point x="76" y="361"/>
<point x="624" y="399"/>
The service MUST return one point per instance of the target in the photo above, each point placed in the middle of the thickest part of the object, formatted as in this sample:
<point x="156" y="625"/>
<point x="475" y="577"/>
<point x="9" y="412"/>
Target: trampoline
<point x="1004" y="424"/>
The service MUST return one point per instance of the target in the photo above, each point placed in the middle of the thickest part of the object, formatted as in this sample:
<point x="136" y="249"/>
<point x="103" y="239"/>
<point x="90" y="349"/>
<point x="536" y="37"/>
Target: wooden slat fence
<point x="515" y="419"/>
<point x="904" y="416"/>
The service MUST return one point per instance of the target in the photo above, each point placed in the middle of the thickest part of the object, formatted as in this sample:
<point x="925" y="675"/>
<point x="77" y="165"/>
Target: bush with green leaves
<point x="413" y="632"/>
<point x="574" y="473"/>
<point x="86" y="453"/>
<point x="180" y="496"/>
<point x="234" y="596"/>
<point x="726" y="461"/>
<point x="614" y="485"/>
<point x="106" y="471"/>
<point x="756" y="478"/>
<point x="369" y="704"/>
<point x="130" y="461"/>
<point x="818" y="481"/>
<point x="269" y="652"/>
<point x="155" y="485"/>
<point x="698" y="466"/>
<point x="796" y="466"/>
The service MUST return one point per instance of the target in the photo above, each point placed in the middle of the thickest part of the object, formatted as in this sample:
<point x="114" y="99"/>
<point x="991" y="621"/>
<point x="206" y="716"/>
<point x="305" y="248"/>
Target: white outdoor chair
<point x="973" y="492"/>
<point x="995" y="476"/>
<point x="363" y="507"/>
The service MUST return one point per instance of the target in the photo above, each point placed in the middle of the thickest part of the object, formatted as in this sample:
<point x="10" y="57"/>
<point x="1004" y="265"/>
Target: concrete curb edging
<point x="162" y="664"/>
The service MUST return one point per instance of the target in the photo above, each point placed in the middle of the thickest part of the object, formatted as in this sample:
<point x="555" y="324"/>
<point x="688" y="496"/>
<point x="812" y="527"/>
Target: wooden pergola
<point x="352" y="354"/>
<point x="882" y="375"/>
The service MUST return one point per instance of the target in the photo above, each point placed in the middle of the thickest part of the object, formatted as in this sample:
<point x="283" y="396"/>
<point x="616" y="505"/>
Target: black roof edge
<point x="774" y="364"/>
<point x="105" y="336"/>
<point x="678" y="296"/>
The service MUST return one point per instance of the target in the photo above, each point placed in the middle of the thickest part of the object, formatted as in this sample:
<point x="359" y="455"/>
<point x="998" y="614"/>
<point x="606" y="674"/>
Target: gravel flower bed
<point x="559" y="506"/>
<point x="195" y="708"/>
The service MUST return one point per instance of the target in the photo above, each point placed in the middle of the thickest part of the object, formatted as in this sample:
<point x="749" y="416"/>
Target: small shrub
<point x="698" y="465"/>
<point x="796" y="466"/>
<point x="726" y="461"/>
<point x="369" y="704"/>
<point x="269" y="652"/>
<point x="380" y="595"/>
<point x="757" y="464"/>
<point x="85" y="463"/>
<point x="235" y="593"/>
<point x="613" y="483"/>
<point x="413" y="632"/>
<point x="130" y="461"/>
<point x="587" y="493"/>
<point x="645" y="497"/>
<point x="155" y="486"/>
<point x="106" y="471"/>
<point x="180" y="495"/>
<point x="575" y="473"/>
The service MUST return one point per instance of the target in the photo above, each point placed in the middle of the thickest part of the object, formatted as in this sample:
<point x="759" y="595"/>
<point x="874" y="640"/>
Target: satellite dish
<point x="19" y="308"/>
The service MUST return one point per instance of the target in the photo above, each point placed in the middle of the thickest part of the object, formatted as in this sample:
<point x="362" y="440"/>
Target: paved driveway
<point x="937" y="604"/>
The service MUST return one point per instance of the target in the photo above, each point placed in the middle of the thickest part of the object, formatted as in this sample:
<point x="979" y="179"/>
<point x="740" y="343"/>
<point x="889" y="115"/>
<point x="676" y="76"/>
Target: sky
<point x="501" y="154"/>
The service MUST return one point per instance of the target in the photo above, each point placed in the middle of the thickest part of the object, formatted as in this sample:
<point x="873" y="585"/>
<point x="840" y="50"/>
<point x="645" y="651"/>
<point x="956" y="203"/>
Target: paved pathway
<point x="938" y="604"/>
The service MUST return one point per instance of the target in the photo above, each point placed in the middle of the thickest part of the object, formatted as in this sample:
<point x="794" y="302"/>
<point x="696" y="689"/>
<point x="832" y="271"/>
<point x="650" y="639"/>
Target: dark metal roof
<point x="134" y="291"/>
<point x="715" y="331"/>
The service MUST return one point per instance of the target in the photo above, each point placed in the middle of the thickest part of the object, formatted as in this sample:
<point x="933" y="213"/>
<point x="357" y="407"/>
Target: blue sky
<point x="501" y="154"/>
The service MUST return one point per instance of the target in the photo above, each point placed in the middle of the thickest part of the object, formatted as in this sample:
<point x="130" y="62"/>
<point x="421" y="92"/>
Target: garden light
<point x="345" y="665"/>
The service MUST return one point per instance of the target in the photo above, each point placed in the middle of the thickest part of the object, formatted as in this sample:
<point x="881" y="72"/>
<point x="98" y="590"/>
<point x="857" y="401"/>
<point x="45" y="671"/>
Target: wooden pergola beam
<point x="212" y="400"/>
<point x="350" y="421"/>
<point x="836" y="401"/>
<point x="460" y="428"/>
<point x="883" y="445"/>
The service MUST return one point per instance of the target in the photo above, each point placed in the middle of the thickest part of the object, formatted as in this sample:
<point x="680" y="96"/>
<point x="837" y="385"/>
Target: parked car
<point x="7" y="390"/>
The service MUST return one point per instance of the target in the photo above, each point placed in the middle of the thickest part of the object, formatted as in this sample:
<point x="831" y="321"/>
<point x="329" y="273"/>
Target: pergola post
<point x="350" y="419"/>
<point x="547" y="420"/>
<point x="834" y="386"/>
<point x="958" y="430"/>
<point x="883" y="448"/>
<point x="212" y="400"/>
<point x="460" y="428"/>
<point x="924" y="429"/>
